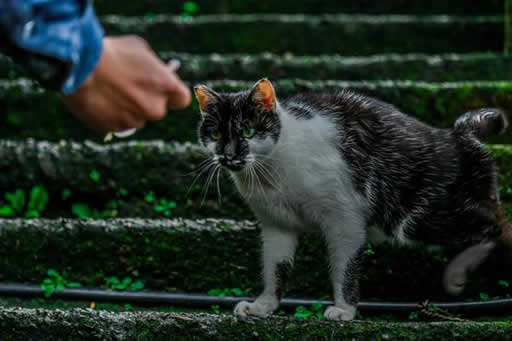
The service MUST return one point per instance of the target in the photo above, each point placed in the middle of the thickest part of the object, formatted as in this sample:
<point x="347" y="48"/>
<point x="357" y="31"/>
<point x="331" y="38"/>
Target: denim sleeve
<point x="58" y="42"/>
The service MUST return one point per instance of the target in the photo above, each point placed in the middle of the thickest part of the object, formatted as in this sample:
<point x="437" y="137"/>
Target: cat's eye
<point x="249" y="132"/>
<point x="215" y="135"/>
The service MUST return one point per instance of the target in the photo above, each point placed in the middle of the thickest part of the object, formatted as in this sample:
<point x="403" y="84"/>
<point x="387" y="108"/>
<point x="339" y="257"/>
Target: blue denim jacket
<point x="58" y="41"/>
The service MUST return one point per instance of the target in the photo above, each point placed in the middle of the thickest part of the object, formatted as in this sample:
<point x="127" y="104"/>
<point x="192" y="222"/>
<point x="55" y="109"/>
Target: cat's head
<point x="238" y="128"/>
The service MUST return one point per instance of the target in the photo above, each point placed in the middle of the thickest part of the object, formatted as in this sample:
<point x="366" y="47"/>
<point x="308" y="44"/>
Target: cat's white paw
<point x="334" y="313"/>
<point x="253" y="309"/>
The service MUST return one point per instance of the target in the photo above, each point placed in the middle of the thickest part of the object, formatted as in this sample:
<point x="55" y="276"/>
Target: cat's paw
<point x="253" y="309"/>
<point x="334" y="313"/>
<point x="454" y="282"/>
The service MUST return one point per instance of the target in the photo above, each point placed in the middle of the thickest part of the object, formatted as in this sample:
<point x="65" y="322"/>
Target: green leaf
<point x="32" y="214"/>
<point x="484" y="296"/>
<point x="150" y="197"/>
<point x="190" y="7"/>
<point x="317" y="306"/>
<point x="119" y="286"/>
<point x="137" y="285"/>
<point x="95" y="176"/>
<point x="214" y="292"/>
<point x="48" y="291"/>
<point x="7" y="211"/>
<point x="38" y="199"/>
<point x="81" y="210"/>
<point x="52" y="273"/>
<point x="73" y="285"/>
<point x="127" y="280"/>
<point x="237" y="292"/>
<point x="17" y="200"/>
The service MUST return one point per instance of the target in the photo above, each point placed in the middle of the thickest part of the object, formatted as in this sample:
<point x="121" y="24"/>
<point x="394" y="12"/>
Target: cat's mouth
<point x="232" y="165"/>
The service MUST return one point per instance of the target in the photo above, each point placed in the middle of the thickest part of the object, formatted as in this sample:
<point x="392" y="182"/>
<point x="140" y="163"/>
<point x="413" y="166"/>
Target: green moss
<point x="69" y="325"/>
<point x="150" y="7"/>
<point x="340" y="34"/>
<point x="438" y="104"/>
<point x="172" y="256"/>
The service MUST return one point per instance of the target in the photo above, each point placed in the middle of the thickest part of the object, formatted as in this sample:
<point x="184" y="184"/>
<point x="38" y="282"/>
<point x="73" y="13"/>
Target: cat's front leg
<point x="278" y="253"/>
<point x="345" y="240"/>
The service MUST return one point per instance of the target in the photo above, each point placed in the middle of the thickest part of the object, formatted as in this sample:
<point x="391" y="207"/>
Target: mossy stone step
<point x="80" y="324"/>
<point x="199" y="255"/>
<point x="419" y="67"/>
<point x="304" y="34"/>
<point x="27" y="111"/>
<point x="150" y="7"/>
<point x="119" y="176"/>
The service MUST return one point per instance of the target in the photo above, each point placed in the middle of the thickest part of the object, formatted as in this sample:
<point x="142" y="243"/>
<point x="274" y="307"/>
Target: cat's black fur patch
<point x="229" y="115"/>
<point x="440" y="180"/>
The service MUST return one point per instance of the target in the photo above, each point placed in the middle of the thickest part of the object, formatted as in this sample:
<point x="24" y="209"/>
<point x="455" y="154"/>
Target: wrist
<point x="88" y="53"/>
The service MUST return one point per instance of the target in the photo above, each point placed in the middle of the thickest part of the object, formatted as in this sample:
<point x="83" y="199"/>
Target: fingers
<point x="178" y="94"/>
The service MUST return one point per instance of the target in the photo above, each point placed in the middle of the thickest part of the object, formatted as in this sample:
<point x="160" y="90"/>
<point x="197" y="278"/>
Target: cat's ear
<point x="263" y="95"/>
<point x="206" y="97"/>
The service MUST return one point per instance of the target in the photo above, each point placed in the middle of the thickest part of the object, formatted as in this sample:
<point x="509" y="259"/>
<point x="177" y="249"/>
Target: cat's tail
<point x="482" y="122"/>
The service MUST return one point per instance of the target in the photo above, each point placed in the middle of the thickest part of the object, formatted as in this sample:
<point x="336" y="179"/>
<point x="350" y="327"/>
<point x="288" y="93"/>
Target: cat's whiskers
<point x="206" y="165"/>
<point x="211" y="175"/>
<point x="218" y="185"/>
<point x="267" y="175"/>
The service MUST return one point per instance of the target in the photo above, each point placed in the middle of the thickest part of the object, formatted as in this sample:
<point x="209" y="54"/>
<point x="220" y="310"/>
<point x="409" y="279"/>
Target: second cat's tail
<point x="482" y="122"/>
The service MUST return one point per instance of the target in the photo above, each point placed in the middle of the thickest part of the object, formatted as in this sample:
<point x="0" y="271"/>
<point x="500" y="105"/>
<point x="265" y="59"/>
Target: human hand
<point x="130" y="86"/>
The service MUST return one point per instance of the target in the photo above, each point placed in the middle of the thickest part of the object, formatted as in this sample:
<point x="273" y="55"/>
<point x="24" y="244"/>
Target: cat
<point x="347" y="165"/>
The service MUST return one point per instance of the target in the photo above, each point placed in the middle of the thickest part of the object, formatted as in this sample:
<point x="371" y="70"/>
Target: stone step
<point x="149" y="7"/>
<point x="28" y="111"/>
<point x="45" y="324"/>
<point x="116" y="178"/>
<point x="180" y="255"/>
<point x="414" y="67"/>
<point x="304" y="34"/>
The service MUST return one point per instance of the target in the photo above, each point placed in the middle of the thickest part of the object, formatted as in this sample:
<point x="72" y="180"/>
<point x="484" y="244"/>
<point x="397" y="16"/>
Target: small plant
<point x="190" y="8"/>
<point x="414" y="316"/>
<point x="18" y="206"/>
<point x="95" y="176"/>
<point x="215" y="309"/>
<point x="82" y="211"/>
<point x="229" y="292"/>
<point x="369" y="250"/>
<point x="127" y="283"/>
<point x="55" y="282"/>
<point x="150" y="197"/>
<point x="484" y="296"/>
<point x="165" y="207"/>
<point x="161" y="206"/>
<point x="315" y="312"/>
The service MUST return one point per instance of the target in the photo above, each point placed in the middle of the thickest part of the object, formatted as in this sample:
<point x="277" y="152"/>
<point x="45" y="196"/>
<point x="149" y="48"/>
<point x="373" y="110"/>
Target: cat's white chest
<point x="311" y="180"/>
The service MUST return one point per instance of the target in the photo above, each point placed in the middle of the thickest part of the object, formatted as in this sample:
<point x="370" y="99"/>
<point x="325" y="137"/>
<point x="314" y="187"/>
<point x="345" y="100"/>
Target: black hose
<point x="204" y="301"/>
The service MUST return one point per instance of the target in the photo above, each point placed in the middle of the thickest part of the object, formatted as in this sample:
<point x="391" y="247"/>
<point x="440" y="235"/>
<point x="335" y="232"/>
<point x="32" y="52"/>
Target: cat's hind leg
<point x="345" y="241"/>
<point x="278" y="253"/>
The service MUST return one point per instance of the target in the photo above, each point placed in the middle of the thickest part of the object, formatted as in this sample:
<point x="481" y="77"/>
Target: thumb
<point x="178" y="94"/>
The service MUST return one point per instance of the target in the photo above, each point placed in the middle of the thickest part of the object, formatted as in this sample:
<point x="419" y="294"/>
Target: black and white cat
<point x="349" y="165"/>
